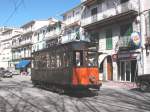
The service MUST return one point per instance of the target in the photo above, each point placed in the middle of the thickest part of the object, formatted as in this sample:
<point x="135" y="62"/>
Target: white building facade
<point x="53" y="32"/>
<point x="6" y="43"/>
<point x="111" y="23"/>
<point x="72" y="30"/>
<point x="22" y="44"/>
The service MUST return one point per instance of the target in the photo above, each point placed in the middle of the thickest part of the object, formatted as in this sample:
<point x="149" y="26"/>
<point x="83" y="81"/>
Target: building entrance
<point x="127" y="70"/>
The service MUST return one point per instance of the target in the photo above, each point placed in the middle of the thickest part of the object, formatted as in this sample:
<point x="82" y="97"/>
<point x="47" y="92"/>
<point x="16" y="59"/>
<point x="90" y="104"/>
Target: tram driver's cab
<point x="85" y="58"/>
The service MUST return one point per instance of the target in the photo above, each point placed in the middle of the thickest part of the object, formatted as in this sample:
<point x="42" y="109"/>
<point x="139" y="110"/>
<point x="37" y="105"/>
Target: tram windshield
<point x="85" y="58"/>
<point x="91" y="58"/>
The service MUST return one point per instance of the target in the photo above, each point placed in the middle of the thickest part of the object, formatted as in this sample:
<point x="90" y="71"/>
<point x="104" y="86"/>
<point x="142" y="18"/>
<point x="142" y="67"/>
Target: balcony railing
<point x="122" y="8"/>
<point x="72" y="20"/>
<point x="69" y="37"/>
<point x="28" y="42"/>
<point x="52" y="34"/>
<point x="124" y="42"/>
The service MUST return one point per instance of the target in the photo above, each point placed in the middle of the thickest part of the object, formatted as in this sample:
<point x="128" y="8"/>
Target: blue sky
<point x="32" y="10"/>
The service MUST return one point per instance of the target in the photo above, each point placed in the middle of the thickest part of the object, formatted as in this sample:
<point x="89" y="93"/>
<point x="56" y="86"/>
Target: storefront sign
<point x="124" y="55"/>
<point x="136" y="40"/>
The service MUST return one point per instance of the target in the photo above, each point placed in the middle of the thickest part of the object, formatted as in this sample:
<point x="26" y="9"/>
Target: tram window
<point x="36" y="62"/>
<point x="78" y="56"/>
<point x="65" y="60"/>
<point x="91" y="59"/>
<point x="48" y="61"/>
<point x="44" y="61"/>
<point x="53" y="62"/>
<point x="58" y="61"/>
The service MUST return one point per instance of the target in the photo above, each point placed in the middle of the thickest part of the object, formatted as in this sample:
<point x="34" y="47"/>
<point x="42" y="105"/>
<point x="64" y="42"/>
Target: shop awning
<point x="23" y="64"/>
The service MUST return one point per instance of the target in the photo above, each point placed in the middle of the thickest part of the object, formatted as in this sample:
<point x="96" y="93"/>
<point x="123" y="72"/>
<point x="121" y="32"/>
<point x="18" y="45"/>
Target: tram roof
<point x="69" y="44"/>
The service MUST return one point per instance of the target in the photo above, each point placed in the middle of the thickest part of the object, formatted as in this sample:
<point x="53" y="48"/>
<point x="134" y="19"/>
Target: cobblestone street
<point x="17" y="94"/>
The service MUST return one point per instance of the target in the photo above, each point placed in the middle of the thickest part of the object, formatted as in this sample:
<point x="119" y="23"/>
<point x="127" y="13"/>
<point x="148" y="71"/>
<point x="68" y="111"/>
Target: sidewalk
<point x="121" y="85"/>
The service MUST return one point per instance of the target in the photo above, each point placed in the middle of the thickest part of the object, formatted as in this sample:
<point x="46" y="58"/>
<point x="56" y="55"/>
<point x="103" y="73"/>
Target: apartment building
<point x="47" y="35"/>
<point x="5" y="44"/>
<point x="53" y="32"/>
<point x="22" y="44"/>
<point x="38" y="39"/>
<point x="72" y="30"/>
<point x="119" y="28"/>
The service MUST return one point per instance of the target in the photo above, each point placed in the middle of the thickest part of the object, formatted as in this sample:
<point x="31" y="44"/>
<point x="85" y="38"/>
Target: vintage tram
<point x="66" y="66"/>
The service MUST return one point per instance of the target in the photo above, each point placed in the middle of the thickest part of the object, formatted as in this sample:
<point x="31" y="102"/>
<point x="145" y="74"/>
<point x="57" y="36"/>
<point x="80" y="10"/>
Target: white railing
<point x="124" y="41"/>
<point x="22" y="43"/>
<point x="122" y="8"/>
<point x="28" y="30"/>
<point x="69" y="37"/>
<point x="26" y="42"/>
<point x="52" y="34"/>
<point x="72" y="20"/>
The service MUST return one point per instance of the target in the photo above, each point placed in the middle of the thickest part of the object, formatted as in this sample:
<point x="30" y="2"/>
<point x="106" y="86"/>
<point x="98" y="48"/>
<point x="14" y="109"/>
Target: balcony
<point x="28" y="30"/>
<point x="72" y="22"/>
<point x="121" y="12"/>
<point x="52" y="34"/>
<point x="124" y="41"/>
<point x="124" y="44"/>
<point x="69" y="37"/>
<point x="23" y="43"/>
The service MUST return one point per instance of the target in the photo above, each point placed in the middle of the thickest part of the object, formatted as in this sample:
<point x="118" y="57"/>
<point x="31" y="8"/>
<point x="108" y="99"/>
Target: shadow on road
<point x="82" y="94"/>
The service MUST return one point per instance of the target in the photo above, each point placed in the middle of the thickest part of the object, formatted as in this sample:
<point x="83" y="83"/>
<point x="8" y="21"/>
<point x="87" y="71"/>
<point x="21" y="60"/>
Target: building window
<point x="77" y="13"/>
<point x="123" y="1"/>
<point x="94" y="37"/>
<point x="37" y="47"/>
<point x="94" y="14"/>
<point x="109" y="39"/>
<point x="126" y="30"/>
<point x="147" y="24"/>
<point x="38" y="37"/>
<point x="109" y="4"/>
<point x="64" y="18"/>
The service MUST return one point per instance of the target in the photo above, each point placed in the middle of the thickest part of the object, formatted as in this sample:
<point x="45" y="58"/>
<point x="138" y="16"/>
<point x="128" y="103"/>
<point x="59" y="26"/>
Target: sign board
<point x="135" y="40"/>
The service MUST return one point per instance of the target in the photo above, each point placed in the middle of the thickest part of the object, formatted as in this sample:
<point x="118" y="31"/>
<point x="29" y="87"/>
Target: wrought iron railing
<point x="124" y="41"/>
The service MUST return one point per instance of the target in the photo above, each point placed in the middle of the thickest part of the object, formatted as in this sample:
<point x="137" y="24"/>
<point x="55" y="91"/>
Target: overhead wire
<point x="17" y="5"/>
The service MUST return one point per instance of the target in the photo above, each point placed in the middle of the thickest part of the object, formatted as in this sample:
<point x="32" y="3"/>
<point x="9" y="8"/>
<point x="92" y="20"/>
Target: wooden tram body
<point x="66" y="66"/>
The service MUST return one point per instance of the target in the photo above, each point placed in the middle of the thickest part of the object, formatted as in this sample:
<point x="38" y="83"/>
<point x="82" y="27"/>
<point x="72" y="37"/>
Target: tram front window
<point x="91" y="59"/>
<point x="85" y="58"/>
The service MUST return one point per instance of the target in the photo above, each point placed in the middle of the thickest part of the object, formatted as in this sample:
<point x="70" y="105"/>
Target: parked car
<point x="5" y="74"/>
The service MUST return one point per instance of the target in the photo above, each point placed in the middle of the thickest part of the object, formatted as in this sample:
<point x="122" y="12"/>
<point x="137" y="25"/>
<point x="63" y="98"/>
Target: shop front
<point x="127" y="66"/>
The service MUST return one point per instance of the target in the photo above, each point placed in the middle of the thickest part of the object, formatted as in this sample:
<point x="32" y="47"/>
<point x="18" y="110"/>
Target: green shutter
<point x="109" y="39"/>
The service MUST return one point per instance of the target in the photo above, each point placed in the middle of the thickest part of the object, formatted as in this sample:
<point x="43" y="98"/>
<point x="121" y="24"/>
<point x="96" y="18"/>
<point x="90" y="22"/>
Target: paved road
<point x="19" y="95"/>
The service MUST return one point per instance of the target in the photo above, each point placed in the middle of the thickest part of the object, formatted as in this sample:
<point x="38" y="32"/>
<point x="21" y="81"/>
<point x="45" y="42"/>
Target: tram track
<point x="127" y="105"/>
<point x="28" y="102"/>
